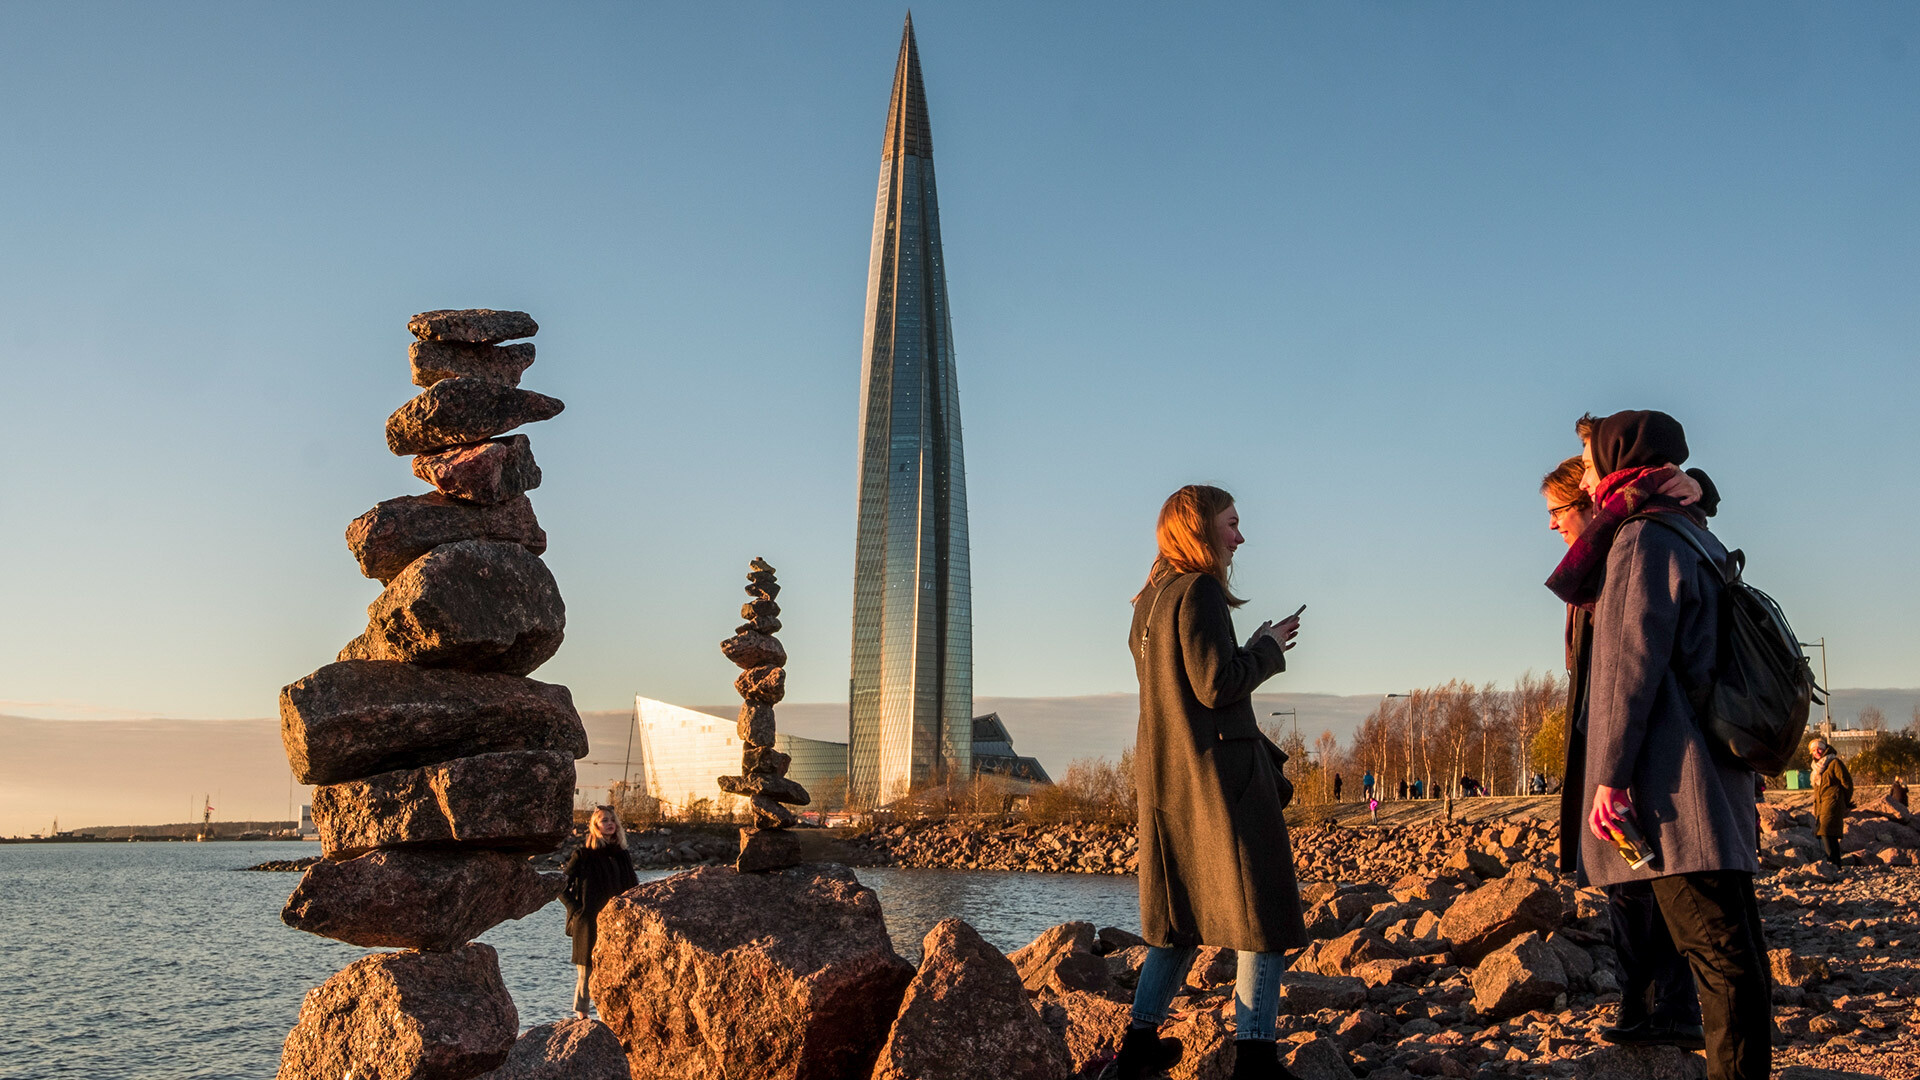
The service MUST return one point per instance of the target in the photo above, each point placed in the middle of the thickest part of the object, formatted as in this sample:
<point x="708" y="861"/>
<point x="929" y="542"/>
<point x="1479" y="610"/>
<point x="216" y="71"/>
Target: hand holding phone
<point x="1285" y="630"/>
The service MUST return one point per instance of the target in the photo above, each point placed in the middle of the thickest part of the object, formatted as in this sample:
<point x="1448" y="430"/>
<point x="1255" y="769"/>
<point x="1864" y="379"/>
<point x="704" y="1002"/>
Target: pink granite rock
<point x="404" y="1016"/>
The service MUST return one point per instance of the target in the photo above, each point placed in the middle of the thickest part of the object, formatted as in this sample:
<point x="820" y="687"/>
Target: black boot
<point x="1143" y="1055"/>
<point x="1258" y="1059"/>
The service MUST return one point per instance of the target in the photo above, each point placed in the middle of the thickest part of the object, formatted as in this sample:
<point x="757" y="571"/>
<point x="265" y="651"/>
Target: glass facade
<point x="683" y="752"/>
<point x="911" y="695"/>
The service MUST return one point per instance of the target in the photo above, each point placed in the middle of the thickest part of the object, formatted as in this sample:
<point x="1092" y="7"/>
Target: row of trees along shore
<point x="1509" y="740"/>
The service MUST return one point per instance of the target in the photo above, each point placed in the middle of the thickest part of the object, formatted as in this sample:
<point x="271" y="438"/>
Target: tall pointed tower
<point x="911" y="721"/>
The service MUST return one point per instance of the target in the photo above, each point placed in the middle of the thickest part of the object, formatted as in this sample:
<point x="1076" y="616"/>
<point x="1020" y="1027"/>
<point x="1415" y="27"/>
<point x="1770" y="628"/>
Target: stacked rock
<point x="753" y="647"/>
<point x="440" y="767"/>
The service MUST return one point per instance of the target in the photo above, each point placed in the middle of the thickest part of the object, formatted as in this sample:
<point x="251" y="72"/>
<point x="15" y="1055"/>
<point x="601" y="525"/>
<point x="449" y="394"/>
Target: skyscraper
<point x="911" y="710"/>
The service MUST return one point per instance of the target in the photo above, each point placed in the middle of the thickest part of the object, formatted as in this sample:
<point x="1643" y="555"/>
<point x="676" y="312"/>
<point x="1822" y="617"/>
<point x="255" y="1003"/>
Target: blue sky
<point x="1362" y="264"/>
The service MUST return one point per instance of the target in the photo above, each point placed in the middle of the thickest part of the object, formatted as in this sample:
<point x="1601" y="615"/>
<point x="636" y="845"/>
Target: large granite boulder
<point x="1643" y="1063"/>
<point x="404" y="1016"/>
<point x="1495" y="913"/>
<point x="1303" y="993"/>
<point x="436" y="360"/>
<point x="431" y="900"/>
<point x="966" y="1017"/>
<point x="359" y="717"/>
<point x="1524" y="974"/>
<point x="567" y="1050"/>
<point x="387" y="538"/>
<point x="1091" y="1026"/>
<point x="487" y="473"/>
<point x="1062" y="959"/>
<point x="464" y="410"/>
<point x="477" y="326"/>
<point x="520" y="800"/>
<point x="1206" y="1033"/>
<point x="785" y="976"/>
<point x="473" y="606"/>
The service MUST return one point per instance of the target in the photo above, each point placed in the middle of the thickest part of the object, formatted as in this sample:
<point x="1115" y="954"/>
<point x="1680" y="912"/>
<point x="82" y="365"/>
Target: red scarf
<point x="1580" y="575"/>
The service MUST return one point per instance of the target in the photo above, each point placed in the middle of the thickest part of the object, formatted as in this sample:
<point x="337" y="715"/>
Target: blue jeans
<point x="1256" y="989"/>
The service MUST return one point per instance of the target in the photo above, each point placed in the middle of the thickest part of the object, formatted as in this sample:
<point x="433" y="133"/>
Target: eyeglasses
<point x="1554" y="512"/>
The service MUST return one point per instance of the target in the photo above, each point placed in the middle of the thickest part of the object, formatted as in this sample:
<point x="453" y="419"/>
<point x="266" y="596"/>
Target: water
<point x="158" y="961"/>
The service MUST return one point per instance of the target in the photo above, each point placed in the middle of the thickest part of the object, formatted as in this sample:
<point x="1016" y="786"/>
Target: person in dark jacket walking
<point x="600" y="870"/>
<point x="1656" y="623"/>
<point x="1216" y="863"/>
<point x="1832" y="796"/>
<point x="1336" y="787"/>
<point x="1657" y="1000"/>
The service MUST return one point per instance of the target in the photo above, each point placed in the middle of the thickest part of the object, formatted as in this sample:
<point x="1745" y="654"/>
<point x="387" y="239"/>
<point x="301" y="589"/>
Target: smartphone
<point x="1297" y="611"/>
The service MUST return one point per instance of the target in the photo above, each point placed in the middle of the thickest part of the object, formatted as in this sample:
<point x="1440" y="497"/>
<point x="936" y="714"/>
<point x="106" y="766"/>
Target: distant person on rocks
<point x="1897" y="793"/>
<point x="1832" y="797"/>
<point x="1210" y="789"/>
<point x="1336" y="787"/>
<point x="1656" y="624"/>
<point x="1657" y="999"/>
<point x="599" y="871"/>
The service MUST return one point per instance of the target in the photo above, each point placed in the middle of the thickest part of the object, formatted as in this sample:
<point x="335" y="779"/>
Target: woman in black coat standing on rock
<point x="599" y="871"/>
<point x="1216" y="865"/>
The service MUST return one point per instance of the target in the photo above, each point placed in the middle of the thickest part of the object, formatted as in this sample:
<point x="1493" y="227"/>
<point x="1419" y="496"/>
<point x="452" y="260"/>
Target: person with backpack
<point x="1657" y="1000"/>
<point x="1657" y="580"/>
<point x="1210" y="790"/>
<point x="1832" y="796"/>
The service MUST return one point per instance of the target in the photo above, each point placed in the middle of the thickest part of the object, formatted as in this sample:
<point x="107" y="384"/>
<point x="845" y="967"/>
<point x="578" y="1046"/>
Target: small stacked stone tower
<point x="761" y="686"/>
<point x="440" y="767"/>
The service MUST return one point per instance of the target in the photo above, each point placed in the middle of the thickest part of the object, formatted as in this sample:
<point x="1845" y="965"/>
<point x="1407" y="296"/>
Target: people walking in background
<point x="1832" y="797"/>
<point x="1897" y="792"/>
<point x="1209" y="785"/>
<point x="1403" y="789"/>
<point x="1656" y="621"/>
<point x="1366" y="785"/>
<point x="600" y="870"/>
<point x="1336" y="787"/>
<point x="1657" y="1000"/>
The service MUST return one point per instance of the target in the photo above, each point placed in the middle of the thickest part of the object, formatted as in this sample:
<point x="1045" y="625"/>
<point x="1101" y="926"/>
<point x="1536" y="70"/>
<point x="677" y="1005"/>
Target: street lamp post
<point x="1826" y="695"/>
<point x="1409" y="696"/>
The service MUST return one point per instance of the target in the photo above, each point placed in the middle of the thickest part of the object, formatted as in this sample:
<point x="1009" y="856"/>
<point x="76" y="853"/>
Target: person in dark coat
<point x="1216" y="863"/>
<point x="1832" y="797"/>
<point x="1656" y="621"/>
<point x="1336" y="787"/>
<point x="1897" y="792"/>
<point x="598" y="871"/>
<point x="1657" y="1000"/>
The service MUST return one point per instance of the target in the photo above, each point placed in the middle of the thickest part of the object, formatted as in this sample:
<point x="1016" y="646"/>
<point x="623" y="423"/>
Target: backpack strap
<point x="1697" y="696"/>
<point x="1738" y="559"/>
<point x="1146" y="628"/>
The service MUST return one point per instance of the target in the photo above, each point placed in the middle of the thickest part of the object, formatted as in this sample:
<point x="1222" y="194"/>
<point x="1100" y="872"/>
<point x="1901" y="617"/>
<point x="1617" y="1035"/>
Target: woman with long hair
<point x="1216" y="865"/>
<point x="600" y="870"/>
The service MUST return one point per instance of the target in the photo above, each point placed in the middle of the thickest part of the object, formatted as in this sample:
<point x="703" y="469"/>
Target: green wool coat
<point x="1216" y="865"/>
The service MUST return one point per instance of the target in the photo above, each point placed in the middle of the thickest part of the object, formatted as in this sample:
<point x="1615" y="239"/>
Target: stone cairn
<point x="766" y="846"/>
<point x="439" y="766"/>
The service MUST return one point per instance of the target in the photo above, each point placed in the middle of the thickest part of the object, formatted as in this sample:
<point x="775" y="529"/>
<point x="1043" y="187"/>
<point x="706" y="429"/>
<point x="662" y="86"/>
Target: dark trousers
<point x="1649" y="962"/>
<point x="1715" y="922"/>
<point x="1833" y="849"/>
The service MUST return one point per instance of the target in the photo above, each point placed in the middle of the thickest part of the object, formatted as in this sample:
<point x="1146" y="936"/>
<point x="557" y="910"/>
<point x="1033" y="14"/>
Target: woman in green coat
<point x="1832" y="796"/>
<point x="1216" y="865"/>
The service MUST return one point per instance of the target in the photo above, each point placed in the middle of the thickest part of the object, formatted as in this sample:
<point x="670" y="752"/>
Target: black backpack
<point x="1755" y="711"/>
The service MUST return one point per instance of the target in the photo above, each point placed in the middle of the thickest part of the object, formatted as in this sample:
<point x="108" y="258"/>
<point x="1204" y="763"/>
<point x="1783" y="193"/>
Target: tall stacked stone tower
<point x="440" y="766"/>
<point x="761" y="685"/>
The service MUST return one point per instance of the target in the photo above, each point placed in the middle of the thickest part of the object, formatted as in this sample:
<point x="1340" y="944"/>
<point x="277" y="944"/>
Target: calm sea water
<point x="159" y="961"/>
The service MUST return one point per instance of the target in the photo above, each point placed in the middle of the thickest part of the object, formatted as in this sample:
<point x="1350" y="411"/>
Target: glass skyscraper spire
<point x="912" y="692"/>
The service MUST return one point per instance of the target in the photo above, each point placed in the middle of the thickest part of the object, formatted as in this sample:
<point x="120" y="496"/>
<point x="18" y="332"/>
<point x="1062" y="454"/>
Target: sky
<point x="1362" y="264"/>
